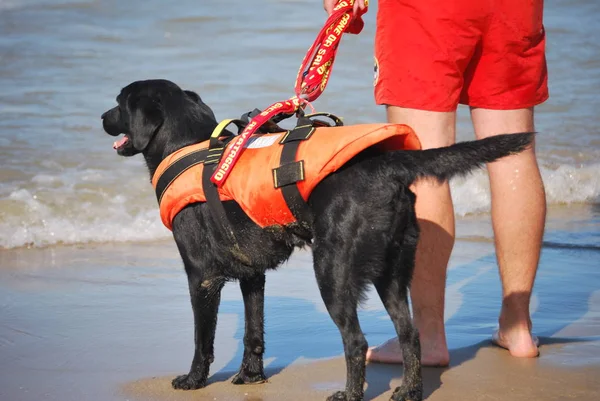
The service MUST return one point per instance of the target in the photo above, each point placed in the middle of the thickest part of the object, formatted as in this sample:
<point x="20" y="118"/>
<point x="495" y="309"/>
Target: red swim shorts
<point x="434" y="54"/>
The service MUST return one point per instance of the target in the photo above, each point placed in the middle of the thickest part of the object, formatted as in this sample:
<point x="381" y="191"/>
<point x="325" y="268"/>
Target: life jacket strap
<point x="216" y="148"/>
<point x="176" y="169"/>
<point x="290" y="170"/>
<point x="211" y="193"/>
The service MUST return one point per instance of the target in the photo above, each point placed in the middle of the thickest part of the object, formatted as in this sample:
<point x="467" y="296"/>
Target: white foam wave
<point x="71" y="206"/>
<point x="80" y="206"/>
<point x="43" y="224"/>
<point x="566" y="184"/>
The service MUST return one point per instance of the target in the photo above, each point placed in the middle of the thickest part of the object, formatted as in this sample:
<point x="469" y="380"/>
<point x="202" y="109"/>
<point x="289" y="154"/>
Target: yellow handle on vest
<point x="224" y="124"/>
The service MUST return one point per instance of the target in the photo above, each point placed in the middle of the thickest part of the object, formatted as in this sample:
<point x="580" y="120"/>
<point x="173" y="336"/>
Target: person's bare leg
<point x="436" y="220"/>
<point x="518" y="218"/>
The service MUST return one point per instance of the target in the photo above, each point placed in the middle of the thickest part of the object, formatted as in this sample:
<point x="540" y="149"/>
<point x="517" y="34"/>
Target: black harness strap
<point x="291" y="171"/>
<point x="216" y="146"/>
<point x="210" y="157"/>
<point x="211" y="192"/>
<point x="310" y="119"/>
<point x="176" y="169"/>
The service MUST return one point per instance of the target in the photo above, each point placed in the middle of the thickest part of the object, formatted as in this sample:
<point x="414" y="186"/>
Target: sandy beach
<point x="479" y="372"/>
<point x="113" y="322"/>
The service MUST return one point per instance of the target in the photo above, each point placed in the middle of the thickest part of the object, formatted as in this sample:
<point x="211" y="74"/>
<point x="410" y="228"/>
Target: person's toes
<point x="388" y="352"/>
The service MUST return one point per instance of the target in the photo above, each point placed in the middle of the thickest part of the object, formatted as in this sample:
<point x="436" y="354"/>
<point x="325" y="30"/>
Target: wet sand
<point x="479" y="372"/>
<point x="113" y="322"/>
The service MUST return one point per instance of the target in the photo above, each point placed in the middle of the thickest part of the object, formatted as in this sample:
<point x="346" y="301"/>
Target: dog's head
<point x="150" y="111"/>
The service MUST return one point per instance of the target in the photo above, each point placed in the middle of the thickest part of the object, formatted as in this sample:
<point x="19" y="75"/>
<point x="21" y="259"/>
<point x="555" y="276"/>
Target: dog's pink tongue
<point x="118" y="144"/>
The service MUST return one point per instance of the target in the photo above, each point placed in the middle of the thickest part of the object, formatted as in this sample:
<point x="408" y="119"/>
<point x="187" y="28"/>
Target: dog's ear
<point x="194" y="96"/>
<point x="146" y="117"/>
<point x="197" y="99"/>
<point x="208" y="111"/>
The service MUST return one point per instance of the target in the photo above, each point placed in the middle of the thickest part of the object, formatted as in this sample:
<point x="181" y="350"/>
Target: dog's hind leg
<point x="395" y="300"/>
<point x="392" y="288"/>
<point x="252" y="371"/>
<point x="340" y="295"/>
<point x="205" y="296"/>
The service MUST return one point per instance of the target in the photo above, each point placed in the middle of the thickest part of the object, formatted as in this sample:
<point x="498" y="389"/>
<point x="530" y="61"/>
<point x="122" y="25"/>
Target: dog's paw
<point x="187" y="382"/>
<point x="343" y="396"/>
<point x="337" y="396"/>
<point x="243" y="377"/>
<point x="403" y="394"/>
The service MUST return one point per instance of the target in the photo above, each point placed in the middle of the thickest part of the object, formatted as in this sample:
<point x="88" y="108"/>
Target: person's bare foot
<point x="518" y="341"/>
<point x="514" y="333"/>
<point x="389" y="352"/>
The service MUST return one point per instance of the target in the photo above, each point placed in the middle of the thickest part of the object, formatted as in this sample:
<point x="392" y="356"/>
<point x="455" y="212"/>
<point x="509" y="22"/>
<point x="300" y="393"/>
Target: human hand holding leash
<point x="328" y="5"/>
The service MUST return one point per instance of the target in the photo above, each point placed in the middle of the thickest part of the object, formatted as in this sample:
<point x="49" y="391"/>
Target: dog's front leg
<point x="205" y="296"/>
<point x="252" y="371"/>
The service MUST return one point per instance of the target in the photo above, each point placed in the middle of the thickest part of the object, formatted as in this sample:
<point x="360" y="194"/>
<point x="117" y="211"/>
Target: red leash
<point x="317" y="64"/>
<point x="311" y="81"/>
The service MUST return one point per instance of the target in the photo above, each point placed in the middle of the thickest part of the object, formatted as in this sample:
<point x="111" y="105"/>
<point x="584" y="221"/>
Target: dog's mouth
<point x="124" y="146"/>
<point x="121" y="143"/>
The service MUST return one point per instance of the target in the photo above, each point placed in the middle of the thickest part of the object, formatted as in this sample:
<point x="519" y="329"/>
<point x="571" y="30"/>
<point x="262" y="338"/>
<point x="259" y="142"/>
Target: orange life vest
<point x="251" y="183"/>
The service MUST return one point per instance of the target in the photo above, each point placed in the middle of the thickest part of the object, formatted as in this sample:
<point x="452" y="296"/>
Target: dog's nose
<point x="103" y="115"/>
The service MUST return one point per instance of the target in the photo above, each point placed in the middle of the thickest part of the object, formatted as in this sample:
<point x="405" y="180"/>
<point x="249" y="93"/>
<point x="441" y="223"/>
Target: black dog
<point x="363" y="230"/>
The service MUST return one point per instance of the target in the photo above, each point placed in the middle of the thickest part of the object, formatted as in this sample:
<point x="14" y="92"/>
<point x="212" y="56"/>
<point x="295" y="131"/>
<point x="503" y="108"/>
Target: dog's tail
<point x="462" y="158"/>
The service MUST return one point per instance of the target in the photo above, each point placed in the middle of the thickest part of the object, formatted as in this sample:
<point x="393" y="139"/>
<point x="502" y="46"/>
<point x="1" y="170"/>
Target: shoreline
<point x="471" y="227"/>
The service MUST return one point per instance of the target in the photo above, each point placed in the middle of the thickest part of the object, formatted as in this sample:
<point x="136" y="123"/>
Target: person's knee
<point x="488" y="122"/>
